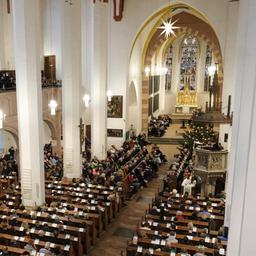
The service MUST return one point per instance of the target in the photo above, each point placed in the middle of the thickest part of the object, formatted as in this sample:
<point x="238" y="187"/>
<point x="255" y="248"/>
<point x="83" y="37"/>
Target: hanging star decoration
<point x="168" y="28"/>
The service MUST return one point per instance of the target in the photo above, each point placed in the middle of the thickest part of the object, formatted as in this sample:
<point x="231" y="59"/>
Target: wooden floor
<point x="114" y="240"/>
<point x="173" y="131"/>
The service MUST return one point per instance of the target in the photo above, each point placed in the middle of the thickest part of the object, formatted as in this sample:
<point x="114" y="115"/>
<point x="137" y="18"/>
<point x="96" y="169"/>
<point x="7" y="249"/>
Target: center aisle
<point x="114" y="240"/>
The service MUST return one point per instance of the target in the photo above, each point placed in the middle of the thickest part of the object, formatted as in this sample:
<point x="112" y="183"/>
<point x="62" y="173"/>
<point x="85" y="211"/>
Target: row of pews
<point x="180" y="225"/>
<point x="75" y="215"/>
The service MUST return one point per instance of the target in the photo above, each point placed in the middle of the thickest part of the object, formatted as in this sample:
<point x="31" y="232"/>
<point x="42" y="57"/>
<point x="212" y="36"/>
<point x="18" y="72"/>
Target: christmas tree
<point x="197" y="134"/>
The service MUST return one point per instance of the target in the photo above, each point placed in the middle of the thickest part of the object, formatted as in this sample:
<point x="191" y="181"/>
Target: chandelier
<point x="86" y="100"/>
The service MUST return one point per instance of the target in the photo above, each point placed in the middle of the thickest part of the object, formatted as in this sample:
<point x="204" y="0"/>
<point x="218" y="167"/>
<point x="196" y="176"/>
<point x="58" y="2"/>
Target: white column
<point x="71" y="82"/>
<point x="98" y="41"/>
<point x="2" y="56"/>
<point x="242" y="174"/>
<point x="230" y="56"/>
<point x="201" y="66"/>
<point x="26" y="19"/>
<point x="87" y="45"/>
<point x="202" y="95"/>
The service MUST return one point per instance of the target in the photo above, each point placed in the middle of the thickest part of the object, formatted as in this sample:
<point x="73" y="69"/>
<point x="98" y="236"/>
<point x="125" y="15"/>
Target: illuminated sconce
<point x="109" y="95"/>
<point x="2" y="117"/>
<point x="53" y="106"/>
<point x="165" y="70"/>
<point x="86" y="100"/>
<point x="158" y="70"/>
<point x="147" y="71"/>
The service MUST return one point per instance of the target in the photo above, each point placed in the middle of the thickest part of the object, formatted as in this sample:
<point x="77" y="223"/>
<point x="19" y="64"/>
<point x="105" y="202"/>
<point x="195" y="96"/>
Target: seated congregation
<point x="179" y="222"/>
<point x="8" y="81"/>
<point x="76" y="211"/>
<point x="158" y="126"/>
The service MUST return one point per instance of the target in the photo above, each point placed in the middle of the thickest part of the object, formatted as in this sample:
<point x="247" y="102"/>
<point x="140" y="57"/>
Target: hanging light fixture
<point x="211" y="70"/>
<point x="2" y="117"/>
<point x="86" y="100"/>
<point x="147" y="71"/>
<point x="168" y="26"/>
<point x="109" y="95"/>
<point x="165" y="70"/>
<point x="53" y="106"/>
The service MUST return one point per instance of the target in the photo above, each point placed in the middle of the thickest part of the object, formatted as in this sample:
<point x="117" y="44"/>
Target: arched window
<point x="208" y="63"/>
<point x="189" y="56"/>
<point x="168" y="64"/>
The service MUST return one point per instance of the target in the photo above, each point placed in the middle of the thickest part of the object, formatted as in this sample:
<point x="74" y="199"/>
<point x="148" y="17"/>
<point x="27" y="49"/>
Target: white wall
<point x="6" y="38"/>
<point x="230" y="56"/>
<point x="135" y="72"/>
<point x="51" y="18"/>
<point x="225" y="128"/>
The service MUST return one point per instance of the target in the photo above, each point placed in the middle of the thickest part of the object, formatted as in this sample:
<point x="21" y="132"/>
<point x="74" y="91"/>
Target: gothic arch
<point x="13" y="132"/>
<point x="52" y="127"/>
<point x="204" y="32"/>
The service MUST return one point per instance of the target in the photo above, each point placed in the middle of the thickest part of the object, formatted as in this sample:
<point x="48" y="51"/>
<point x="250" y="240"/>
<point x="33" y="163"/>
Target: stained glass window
<point x="189" y="56"/>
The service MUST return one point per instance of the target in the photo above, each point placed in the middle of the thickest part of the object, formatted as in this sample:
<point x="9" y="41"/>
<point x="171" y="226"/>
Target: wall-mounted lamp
<point x="147" y="71"/>
<point x="2" y="117"/>
<point x="53" y="106"/>
<point x="86" y="100"/>
<point x="211" y="70"/>
<point x="109" y="95"/>
<point x="165" y="70"/>
<point x="156" y="70"/>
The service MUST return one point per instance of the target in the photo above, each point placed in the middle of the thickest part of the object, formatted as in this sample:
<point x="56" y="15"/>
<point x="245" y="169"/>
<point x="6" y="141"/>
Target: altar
<point x="210" y="165"/>
<point x="186" y="100"/>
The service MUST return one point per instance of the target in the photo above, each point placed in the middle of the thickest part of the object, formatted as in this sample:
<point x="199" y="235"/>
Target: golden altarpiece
<point x="186" y="99"/>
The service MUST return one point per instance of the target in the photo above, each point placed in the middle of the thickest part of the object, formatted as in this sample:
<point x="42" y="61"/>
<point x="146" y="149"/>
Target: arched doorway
<point x="51" y="135"/>
<point x="47" y="133"/>
<point x="7" y="140"/>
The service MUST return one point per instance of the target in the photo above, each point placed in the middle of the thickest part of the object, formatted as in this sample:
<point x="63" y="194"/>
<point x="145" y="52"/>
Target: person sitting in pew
<point x="200" y="252"/>
<point x="4" y="251"/>
<point x="57" y="251"/>
<point x="46" y="250"/>
<point x="184" y="252"/>
<point x="204" y="214"/>
<point x="179" y="215"/>
<point x="171" y="240"/>
<point x="191" y="229"/>
<point x="30" y="247"/>
<point x="204" y="233"/>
